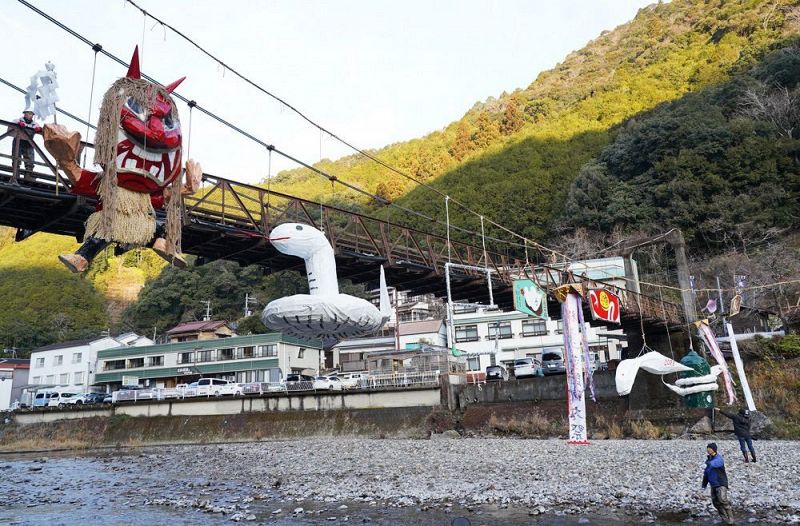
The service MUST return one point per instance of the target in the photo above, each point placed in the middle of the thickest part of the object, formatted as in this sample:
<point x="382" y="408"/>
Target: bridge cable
<point x="666" y="325"/>
<point x="96" y="48"/>
<point x="360" y="151"/>
<point x="248" y="135"/>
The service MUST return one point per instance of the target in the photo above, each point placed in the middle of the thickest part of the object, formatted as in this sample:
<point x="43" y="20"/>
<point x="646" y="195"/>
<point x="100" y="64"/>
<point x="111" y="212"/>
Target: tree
<point x="512" y="118"/>
<point x="463" y="145"/>
<point x="779" y="106"/>
<point x="487" y="131"/>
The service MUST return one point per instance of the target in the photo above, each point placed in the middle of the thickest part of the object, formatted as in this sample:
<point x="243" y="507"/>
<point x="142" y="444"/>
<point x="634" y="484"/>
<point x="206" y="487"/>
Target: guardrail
<point x="400" y="380"/>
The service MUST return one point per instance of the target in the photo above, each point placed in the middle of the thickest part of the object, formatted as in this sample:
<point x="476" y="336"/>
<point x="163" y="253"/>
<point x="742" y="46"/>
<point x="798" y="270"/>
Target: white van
<point x="59" y="398"/>
<point x="353" y="380"/>
<point x="42" y="398"/>
<point x="217" y="387"/>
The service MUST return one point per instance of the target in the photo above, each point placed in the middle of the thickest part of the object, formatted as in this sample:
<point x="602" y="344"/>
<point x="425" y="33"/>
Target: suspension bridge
<point x="229" y="220"/>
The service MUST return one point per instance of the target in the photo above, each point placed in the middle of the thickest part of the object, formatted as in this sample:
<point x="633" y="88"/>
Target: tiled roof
<point x="420" y="327"/>
<point x="197" y="326"/>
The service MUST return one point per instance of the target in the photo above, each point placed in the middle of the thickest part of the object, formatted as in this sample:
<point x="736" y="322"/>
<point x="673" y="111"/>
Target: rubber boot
<point x="753" y="454"/>
<point x="746" y="459"/>
<point x="82" y="258"/>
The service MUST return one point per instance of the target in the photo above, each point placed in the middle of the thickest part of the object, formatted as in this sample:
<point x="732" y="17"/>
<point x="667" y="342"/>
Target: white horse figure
<point x="324" y="313"/>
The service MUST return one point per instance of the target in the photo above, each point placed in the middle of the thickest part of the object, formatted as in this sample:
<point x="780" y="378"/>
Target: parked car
<point x="108" y="399"/>
<point x="496" y="373"/>
<point x="553" y="362"/>
<point x="95" y="398"/>
<point x="299" y="382"/>
<point x="78" y="399"/>
<point x="60" y="399"/>
<point x="527" y="367"/>
<point x="354" y="380"/>
<point x="328" y="383"/>
<point x="217" y="387"/>
<point x="42" y="398"/>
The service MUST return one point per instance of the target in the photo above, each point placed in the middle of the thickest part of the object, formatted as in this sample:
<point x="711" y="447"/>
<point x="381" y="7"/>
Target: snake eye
<point x="299" y="227"/>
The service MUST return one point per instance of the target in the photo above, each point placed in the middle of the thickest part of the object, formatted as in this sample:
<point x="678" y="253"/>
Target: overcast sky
<point x="374" y="72"/>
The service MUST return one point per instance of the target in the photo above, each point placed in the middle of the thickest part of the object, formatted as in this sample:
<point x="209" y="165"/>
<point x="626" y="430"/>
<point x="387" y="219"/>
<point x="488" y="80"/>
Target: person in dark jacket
<point x="716" y="476"/>
<point x="26" y="128"/>
<point x="741" y="428"/>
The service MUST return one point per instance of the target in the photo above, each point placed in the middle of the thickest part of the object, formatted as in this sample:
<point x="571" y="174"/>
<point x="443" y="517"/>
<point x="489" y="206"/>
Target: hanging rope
<point x="191" y="105"/>
<point x="269" y="183"/>
<point x="96" y="48"/>
<point x="641" y="320"/>
<point x="666" y="325"/>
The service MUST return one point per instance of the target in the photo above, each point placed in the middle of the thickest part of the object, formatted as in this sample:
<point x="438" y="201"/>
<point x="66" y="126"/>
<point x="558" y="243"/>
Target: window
<point x="500" y="330"/>
<point x="467" y="333"/>
<point x="133" y="363"/>
<point x="301" y="353"/>
<point x="534" y="328"/>
<point x="40" y="362"/>
<point x="58" y="360"/>
<point x="78" y="378"/>
<point x="77" y="357"/>
<point x="113" y="365"/>
<point x="560" y="327"/>
<point x="51" y="378"/>
<point x="156" y="361"/>
<point x="185" y="357"/>
<point x="268" y="350"/>
<point x="205" y="356"/>
<point x="187" y="338"/>
<point x="226" y="354"/>
<point x="474" y="363"/>
<point x="248" y="352"/>
<point x="37" y="380"/>
<point x="63" y="378"/>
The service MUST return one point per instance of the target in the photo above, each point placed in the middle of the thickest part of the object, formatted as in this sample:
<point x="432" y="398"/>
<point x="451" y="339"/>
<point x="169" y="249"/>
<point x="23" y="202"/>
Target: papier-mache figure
<point x="138" y="147"/>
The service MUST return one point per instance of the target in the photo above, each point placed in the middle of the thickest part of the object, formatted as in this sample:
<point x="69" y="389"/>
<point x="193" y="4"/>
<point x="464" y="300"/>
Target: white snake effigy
<point x="656" y="363"/>
<point x="324" y="313"/>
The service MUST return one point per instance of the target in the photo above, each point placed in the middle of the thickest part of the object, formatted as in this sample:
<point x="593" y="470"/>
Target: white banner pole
<point x="748" y="396"/>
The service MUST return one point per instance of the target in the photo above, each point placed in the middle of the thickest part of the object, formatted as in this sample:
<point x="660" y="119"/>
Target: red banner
<point x="604" y="305"/>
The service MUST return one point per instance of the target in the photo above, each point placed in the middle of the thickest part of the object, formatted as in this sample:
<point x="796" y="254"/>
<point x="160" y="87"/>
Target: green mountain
<point x="682" y="117"/>
<point x="515" y="157"/>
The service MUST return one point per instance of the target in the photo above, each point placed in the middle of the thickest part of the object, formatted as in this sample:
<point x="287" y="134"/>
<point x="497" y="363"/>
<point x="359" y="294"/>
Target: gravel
<point x="656" y="481"/>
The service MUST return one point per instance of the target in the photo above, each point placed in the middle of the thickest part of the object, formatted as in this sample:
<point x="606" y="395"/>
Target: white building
<point x="72" y="363"/>
<point x="13" y="379"/>
<point x="351" y="355"/>
<point x="255" y="358"/>
<point x="496" y="337"/>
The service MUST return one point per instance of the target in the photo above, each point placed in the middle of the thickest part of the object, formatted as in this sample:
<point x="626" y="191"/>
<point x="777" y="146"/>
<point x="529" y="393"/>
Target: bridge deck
<point x="230" y="220"/>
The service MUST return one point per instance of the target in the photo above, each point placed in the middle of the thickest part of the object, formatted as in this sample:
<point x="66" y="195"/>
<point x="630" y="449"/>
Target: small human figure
<point x="27" y="126"/>
<point x="741" y="428"/>
<point x="716" y="476"/>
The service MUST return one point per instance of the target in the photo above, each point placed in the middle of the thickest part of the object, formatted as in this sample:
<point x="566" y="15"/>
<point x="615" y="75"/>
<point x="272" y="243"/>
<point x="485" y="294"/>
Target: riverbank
<point x="402" y="481"/>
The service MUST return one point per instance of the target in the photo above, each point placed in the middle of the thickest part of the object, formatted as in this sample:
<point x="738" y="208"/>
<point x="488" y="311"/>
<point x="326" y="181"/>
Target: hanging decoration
<point x="324" y="313"/>
<point x="40" y="95"/>
<point x="530" y="299"/>
<point x="576" y="360"/>
<point x="604" y="305"/>
<point x="710" y="341"/>
<point x="656" y="363"/>
<point x="138" y="147"/>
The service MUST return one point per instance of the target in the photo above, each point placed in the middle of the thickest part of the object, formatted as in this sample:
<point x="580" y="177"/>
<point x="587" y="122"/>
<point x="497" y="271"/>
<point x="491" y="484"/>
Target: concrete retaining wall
<point x="531" y="390"/>
<point x="40" y="417"/>
<point x="422" y="397"/>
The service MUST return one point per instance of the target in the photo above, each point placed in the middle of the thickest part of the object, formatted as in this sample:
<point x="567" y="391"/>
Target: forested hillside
<point x="686" y="116"/>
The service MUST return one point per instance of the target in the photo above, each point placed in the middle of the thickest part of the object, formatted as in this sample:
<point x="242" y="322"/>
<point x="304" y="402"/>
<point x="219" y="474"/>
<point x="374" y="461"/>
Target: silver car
<point x="553" y="362"/>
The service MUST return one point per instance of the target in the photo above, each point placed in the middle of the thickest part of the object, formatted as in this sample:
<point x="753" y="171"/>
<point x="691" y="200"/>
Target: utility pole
<point x="249" y="300"/>
<point x="207" y="315"/>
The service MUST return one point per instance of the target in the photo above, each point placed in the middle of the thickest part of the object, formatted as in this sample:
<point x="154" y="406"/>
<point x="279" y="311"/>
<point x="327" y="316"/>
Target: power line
<point x="99" y="49"/>
<point x="364" y="153"/>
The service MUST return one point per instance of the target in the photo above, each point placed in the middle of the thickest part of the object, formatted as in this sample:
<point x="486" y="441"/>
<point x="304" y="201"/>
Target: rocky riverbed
<point x="397" y="482"/>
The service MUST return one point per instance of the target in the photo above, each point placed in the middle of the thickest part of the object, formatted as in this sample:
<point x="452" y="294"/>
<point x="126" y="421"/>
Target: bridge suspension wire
<point x="543" y="249"/>
<point x="59" y="110"/>
<point x="226" y="67"/>
<point x="96" y="48"/>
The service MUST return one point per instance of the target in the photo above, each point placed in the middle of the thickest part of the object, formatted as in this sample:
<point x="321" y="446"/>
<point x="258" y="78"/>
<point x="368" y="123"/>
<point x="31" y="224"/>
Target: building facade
<point x="72" y="363"/>
<point x="496" y="337"/>
<point x="13" y="379"/>
<point x="200" y="330"/>
<point x="254" y="358"/>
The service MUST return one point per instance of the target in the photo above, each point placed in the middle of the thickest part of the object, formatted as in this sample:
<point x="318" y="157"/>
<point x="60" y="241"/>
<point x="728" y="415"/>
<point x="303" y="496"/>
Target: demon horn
<point x="171" y="87"/>
<point x="133" y="70"/>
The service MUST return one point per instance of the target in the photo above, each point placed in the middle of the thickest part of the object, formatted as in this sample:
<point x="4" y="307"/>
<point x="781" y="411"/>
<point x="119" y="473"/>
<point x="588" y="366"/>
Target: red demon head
<point x="149" y="138"/>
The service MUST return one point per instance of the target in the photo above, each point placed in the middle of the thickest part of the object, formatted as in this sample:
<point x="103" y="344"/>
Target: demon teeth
<point x="155" y="170"/>
<point x="120" y="159"/>
<point x="130" y="163"/>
